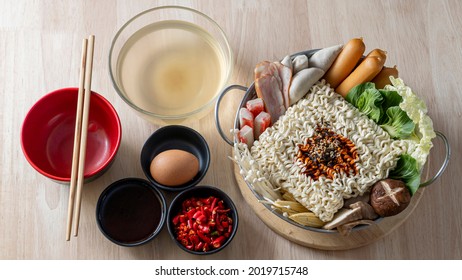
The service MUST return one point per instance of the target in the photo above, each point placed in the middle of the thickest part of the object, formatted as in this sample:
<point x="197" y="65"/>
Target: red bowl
<point x="47" y="135"/>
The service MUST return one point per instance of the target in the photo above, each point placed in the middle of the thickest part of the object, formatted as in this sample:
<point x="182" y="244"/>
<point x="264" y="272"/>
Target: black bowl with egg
<point x="175" y="158"/>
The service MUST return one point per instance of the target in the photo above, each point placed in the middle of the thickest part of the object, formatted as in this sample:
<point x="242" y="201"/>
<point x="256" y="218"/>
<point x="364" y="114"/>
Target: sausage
<point x="383" y="78"/>
<point x="379" y="53"/>
<point x="365" y="72"/>
<point x="374" y="52"/>
<point x="345" y="62"/>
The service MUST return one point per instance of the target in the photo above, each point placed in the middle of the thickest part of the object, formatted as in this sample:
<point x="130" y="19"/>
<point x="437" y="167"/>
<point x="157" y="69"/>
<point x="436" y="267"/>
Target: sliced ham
<point x="274" y="70"/>
<point x="261" y="123"/>
<point x="272" y="83"/>
<point x="245" y="135"/>
<point x="262" y="69"/>
<point x="268" y="68"/>
<point x="268" y="89"/>
<point x="245" y="118"/>
<point x="285" y="73"/>
<point x="255" y="106"/>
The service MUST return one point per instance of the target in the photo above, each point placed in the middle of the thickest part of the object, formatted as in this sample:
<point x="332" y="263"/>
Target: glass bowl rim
<point x="119" y="91"/>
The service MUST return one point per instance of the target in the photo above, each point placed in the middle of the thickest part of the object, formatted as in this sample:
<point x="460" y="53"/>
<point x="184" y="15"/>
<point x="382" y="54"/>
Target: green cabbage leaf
<point x="382" y="106"/>
<point x="408" y="171"/>
<point x="397" y="123"/>
<point x="370" y="103"/>
<point x="356" y="92"/>
<point x="391" y="98"/>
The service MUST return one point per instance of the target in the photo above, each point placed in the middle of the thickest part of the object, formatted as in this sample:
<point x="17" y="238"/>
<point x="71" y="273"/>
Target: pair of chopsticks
<point x="80" y="137"/>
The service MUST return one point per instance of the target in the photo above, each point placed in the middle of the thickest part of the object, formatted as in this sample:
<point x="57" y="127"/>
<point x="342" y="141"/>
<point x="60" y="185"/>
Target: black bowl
<point x="175" y="137"/>
<point x="131" y="212"/>
<point x="202" y="192"/>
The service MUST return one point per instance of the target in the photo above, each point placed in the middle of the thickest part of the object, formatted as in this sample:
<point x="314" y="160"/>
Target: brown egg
<point x="174" y="167"/>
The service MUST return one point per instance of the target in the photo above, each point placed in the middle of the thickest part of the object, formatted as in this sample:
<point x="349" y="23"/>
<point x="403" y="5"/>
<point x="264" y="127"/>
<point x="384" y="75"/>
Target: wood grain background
<point x="39" y="52"/>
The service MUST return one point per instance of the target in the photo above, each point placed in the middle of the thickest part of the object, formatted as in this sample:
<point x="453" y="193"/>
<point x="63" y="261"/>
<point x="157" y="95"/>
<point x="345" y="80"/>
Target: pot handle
<point x="217" y="106"/>
<point x="445" y="162"/>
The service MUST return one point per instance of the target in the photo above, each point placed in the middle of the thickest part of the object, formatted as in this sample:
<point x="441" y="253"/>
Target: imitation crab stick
<point x="255" y="106"/>
<point x="345" y="62"/>
<point x="245" y="135"/>
<point x="262" y="122"/>
<point x="383" y="78"/>
<point x="365" y="72"/>
<point x="245" y="118"/>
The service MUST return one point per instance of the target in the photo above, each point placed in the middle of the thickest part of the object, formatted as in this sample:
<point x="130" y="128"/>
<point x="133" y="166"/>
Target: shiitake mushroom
<point x="389" y="197"/>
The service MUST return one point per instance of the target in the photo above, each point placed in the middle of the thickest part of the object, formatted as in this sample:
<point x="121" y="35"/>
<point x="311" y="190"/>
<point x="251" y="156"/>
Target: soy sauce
<point x="130" y="213"/>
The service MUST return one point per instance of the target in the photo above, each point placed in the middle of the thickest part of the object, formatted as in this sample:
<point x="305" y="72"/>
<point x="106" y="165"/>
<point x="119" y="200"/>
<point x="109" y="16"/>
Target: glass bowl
<point x="169" y="64"/>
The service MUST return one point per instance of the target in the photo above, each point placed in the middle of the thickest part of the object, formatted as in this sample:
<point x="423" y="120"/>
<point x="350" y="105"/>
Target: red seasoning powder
<point x="327" y="153"/>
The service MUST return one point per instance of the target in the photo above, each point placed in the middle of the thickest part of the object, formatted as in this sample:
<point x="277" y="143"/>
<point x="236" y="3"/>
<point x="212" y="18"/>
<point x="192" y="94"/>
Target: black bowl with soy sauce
<point x="131" y="212"/>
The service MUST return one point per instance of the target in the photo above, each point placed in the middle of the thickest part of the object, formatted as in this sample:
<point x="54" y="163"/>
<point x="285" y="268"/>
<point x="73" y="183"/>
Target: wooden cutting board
<point x="324" y="241"/>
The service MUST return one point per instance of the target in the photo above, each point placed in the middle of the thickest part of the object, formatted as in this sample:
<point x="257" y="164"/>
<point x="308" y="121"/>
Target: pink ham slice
<point x="261" y="123"/>
<point x="245" y="118"/>
<point x="262" y="69"/>
<point x="268" y="89"/>
<point x="272" y="83"/>
<point x="285" y="73"/>
<point x="268" y="68"/>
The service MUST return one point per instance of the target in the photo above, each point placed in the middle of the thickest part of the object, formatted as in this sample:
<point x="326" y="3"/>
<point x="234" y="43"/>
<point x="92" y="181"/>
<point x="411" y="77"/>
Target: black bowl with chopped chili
<point x="202" y="220"/>
<point x="131" y="212"/>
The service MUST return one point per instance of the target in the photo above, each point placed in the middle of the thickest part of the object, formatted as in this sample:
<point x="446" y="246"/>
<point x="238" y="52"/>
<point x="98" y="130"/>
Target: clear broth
<point x="171" y="68"/>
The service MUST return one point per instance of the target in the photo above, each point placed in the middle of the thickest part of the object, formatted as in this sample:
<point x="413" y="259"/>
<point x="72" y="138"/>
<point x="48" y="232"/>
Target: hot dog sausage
<point x="345" y="62"/>
<point x="365" y="72"/>
<point x="383" y="78"/>
<point x="379" y="53"/>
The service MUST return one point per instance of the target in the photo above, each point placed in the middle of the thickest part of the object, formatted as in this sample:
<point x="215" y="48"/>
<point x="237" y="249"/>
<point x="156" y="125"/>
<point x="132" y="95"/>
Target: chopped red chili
<point x="203" y="224"/>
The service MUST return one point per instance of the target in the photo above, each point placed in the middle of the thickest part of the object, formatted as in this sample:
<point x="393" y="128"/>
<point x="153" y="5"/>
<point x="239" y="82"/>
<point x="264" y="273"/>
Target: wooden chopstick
<point x="77" y="135"/>
<point x="83" y="139"/>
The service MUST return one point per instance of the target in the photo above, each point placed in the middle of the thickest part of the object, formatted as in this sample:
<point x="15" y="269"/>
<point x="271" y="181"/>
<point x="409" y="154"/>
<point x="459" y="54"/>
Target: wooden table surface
<point x="40" y="45"/>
